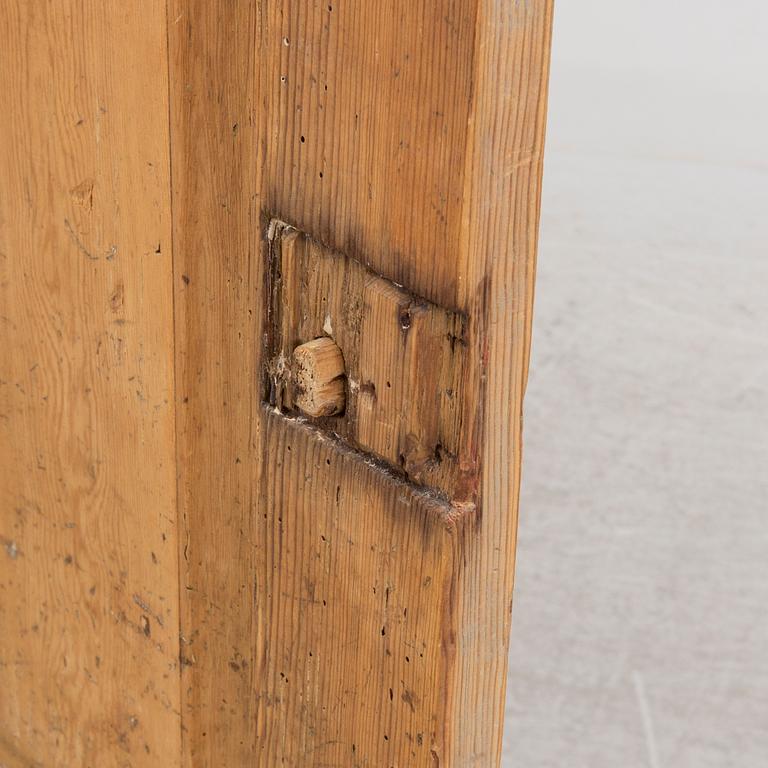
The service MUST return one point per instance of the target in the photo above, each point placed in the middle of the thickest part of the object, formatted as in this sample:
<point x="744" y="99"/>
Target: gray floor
<point x="640" y="624"/>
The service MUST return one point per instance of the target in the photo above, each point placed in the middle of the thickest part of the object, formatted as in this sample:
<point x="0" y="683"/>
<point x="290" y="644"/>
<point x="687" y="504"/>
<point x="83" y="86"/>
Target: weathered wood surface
<point x="320" y="378"/>
<point x="404" y="360"/>
<point x="88" y="567"/>
<point x="329" y="608"/>
<point x="407" y="136"/>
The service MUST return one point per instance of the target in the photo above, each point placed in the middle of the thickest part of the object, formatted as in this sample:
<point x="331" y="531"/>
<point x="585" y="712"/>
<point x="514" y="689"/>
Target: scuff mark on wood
<point x="82" y="194"/>
<point x="78" y="242"/>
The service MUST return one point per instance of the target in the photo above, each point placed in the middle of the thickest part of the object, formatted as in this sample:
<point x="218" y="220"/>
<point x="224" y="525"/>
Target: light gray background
<point x="640" y="622"/>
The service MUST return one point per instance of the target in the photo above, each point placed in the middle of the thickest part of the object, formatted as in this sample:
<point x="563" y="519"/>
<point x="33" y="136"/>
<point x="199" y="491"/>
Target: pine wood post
<point x="266" y="280"/>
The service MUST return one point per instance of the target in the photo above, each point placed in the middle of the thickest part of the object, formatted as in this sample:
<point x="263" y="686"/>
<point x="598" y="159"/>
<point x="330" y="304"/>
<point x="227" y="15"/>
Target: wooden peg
<point x="319" y="378"/>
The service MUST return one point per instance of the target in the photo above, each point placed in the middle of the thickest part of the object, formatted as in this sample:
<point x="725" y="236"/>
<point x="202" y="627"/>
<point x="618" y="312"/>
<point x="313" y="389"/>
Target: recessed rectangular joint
<point x="404" y="362"/>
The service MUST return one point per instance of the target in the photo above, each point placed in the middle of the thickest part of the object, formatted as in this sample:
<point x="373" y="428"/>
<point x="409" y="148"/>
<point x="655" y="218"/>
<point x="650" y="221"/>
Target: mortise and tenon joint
<point x="370" y="363"/>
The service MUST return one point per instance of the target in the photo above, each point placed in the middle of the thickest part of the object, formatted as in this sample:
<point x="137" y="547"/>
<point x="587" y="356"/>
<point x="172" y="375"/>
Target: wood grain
<point x="358" y="575"/>
<point x="404" y="357"/>
<point x="217" y="257"/>
<point x="88" y="566"/>
<point x="365" y="119"/>
<point x="407" y="136"/>
<point x="327" y="609"/>
<point x="499" y="237"/>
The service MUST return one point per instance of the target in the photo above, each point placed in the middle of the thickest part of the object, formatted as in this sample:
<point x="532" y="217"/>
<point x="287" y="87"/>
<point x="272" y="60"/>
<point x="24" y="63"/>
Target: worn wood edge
<point x="275" y="228"/>
<point x="499" y="236"/>
<point x="175" y="378"/>
<point x="450" y="514"/>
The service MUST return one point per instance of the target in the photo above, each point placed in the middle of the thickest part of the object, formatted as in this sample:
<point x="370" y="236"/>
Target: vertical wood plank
<point x="499" y="237"/>
<point x="217" y="257"/>
<point x="88" y="565"/>
<point x="409" y="137"/>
